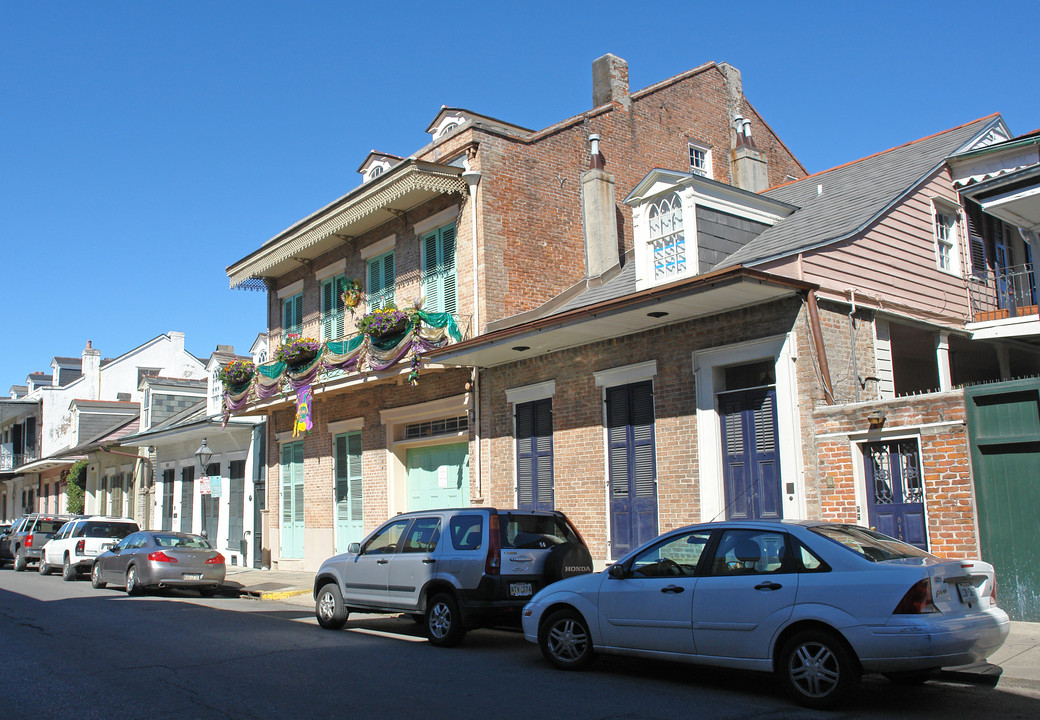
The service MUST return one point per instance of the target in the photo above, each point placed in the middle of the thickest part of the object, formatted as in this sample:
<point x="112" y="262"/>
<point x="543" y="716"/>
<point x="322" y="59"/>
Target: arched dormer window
<point x="667" y="239"/>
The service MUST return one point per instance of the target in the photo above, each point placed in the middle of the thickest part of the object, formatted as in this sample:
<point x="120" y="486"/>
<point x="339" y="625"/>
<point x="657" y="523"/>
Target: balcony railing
<point x="1003" y="293"/>
<point x="9" y="460"/>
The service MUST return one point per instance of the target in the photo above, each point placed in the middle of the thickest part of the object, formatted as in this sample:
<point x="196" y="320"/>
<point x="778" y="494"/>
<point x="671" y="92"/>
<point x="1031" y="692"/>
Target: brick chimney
<point x="91" y="373"/>
<point x="599" y="215"/>
<point x="610" y="82"/>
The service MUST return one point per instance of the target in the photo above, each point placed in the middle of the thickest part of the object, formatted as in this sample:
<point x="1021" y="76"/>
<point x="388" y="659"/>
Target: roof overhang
<point x="44" y="464"/>
<point x="1013" y="197"/>
<point x="702" y="296"/>
<point x="398" y="190"/>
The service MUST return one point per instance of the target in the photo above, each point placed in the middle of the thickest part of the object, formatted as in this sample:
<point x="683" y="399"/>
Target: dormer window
<point x="376" y="172"/>
<point x="446" y="124"/>
<point x="667" y="239"/>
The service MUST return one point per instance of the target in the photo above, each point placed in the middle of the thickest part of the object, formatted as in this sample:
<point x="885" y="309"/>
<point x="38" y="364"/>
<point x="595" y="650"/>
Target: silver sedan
<point x="155" y="559"/>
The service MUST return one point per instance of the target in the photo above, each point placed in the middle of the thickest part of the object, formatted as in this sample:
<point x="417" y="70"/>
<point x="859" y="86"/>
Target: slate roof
<point x="853" y="195"/>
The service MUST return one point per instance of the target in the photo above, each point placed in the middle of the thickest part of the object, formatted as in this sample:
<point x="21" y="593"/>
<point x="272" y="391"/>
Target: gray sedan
<point x="154" y="559"/>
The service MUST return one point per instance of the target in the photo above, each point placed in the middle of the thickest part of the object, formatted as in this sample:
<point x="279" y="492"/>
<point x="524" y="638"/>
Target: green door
<point x="1004" y="427"/>
<point x="349" y="508"/>
<point x="292" y="500"/>
<point x="438" y="477"/>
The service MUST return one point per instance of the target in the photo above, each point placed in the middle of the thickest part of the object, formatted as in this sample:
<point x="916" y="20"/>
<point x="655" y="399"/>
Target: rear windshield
<point x="184" y="541"/>
<point x="48" y="527"/>
<point x="871" y="545"/>
<point x="534" y="531"/>
<point x="102" y="529"/>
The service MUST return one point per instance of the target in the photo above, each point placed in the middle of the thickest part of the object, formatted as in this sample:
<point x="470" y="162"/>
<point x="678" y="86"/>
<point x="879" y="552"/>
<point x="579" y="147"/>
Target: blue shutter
<point x="534" y="455"/>
<point x="632" y="469"/>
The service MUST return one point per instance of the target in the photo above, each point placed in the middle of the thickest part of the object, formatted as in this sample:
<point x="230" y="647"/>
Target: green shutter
<point x="292" y="314"/>
<point x="439" y="281"/>
<point x="431" y="284"/>
<point x="381" y="281"/>
<point x="332" y="310"/>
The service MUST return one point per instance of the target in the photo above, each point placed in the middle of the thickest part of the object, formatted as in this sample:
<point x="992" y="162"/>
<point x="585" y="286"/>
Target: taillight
<point x="917" y="600"/>
<point x="160" y="556"/>
<point x="493" y="564"/>
<point x="80" y="547"/>
<point x="28" y="540"/>
<point x="217" y="559"/>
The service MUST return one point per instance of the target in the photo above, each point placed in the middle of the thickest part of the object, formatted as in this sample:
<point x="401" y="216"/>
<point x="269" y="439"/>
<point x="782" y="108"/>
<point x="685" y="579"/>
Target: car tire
<point x="133" y="584"/>
<point x="19" y="563"/>
<point x="443" y="622"/>
<point x="95" y="577"/>
<point x="208" y="592"/>
<point x="68" y="573"/>
<point x="566" y="560"/>
<point x="816" y="669"/>
<point x="565" y="640"/>
<point x="43" y="568"/>
<point x="329" y="608"/>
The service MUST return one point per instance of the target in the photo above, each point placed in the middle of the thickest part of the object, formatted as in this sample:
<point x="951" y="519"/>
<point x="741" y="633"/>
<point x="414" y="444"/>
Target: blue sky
<point x="147" y="145"/>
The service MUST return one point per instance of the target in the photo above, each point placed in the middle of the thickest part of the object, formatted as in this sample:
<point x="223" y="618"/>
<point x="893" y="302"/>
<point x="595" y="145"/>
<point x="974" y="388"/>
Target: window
<point x="675" y="557"/>
<point x="381" y="281"/>
<point x="332" y="310"/>
<point x="385" y="541"/>
<point x="423" y="535"/>
<point x="700" y="160"/>
<point x="466" y="531"/>
<point x="750" y="552"/>
<point x="439" y="281"/>
<point x="534" y="455"/>
<point x="667" y="239"/>
<point x="292" y="315"/>
<point x="945" y="228"/>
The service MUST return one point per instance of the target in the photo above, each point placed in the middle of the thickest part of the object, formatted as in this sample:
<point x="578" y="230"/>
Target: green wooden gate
<point x="1004" y="430"/>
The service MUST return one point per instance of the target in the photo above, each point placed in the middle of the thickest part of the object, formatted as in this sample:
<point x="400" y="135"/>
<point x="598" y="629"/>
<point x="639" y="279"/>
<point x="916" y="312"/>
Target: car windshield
<point x="182" y="541"/>
<point x="48" y="527"/>
<point x="871" y="545"/>
<point x="108" y="530"/>
<point x="534" y="531"/>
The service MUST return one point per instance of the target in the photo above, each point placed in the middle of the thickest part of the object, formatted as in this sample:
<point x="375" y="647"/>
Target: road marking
<point x="392" y="636"/>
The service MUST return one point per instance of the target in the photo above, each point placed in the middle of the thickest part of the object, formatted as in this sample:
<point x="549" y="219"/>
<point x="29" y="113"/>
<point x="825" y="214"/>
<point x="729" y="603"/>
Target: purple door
<point x="751" y="458"/>
<point x="633" y="471"/>
<point x="895" y="494"/>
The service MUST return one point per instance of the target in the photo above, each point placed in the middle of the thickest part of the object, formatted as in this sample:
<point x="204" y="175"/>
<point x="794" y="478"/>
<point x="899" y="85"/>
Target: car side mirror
<point x="354" y="548"/>
<point x="617" y="572"/>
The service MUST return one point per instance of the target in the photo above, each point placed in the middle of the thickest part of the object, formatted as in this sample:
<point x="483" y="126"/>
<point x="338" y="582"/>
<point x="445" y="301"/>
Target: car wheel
<point x="68" y="573"/>
<point x="329" y="608"/>
<point x="95" y="577"/>
<point x="910" y="677"/>
<point x="565" y="641"/>
<point x="43" y="568"/>
<point x="208" y="592"/>
<point x="133" y="584"/>
<point x="19" y="563"/>
<point x="816" y="669"/>
<point x="443" y="623"/>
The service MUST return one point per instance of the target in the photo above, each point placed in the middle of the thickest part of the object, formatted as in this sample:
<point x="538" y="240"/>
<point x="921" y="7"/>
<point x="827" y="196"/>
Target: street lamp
<point x="203" y="454"/>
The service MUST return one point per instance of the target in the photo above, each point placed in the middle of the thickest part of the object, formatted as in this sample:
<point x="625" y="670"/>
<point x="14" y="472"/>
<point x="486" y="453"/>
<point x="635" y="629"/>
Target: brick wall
<point x="938" y="419"/>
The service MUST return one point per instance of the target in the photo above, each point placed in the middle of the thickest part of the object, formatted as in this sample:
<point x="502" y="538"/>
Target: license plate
<point x="520" y="589"/>
<point x="192" y="576"/>
<point x="968" y="593"/>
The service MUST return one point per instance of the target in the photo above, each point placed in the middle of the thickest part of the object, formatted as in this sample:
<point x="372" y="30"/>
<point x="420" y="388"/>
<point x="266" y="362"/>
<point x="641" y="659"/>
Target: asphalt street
<point x="69" y="651"/>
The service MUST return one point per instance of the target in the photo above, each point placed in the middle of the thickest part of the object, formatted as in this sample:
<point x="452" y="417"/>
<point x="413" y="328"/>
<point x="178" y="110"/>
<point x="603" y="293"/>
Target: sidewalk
<point x="1019" y="657"/>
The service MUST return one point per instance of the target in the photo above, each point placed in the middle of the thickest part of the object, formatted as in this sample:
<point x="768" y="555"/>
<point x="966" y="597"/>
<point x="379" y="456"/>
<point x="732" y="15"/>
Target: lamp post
<point x="203" y="454"/>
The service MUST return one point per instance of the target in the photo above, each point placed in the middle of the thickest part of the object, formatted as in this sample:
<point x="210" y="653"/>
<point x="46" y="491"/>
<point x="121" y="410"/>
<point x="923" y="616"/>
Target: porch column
<point x="1004" y="360"/>
<point x="943" y="357"/>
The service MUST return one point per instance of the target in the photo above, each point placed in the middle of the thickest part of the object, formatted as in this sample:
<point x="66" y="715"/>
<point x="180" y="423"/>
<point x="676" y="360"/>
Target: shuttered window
<point x="211" y="504"/>
<point x="381" y="280"/>
<point x="236" y="503"/>
<point x="292" y="315"/>
<point x="439" y="279"/>
<point x="187" y="497"/>
<point x="332" y="309"/>
<point x="630" y="431"/>
<point x="534" y="455"/>
<point x="167" y="498"/>
<point x="976" y="239"/>
<point x="349" y="488"/>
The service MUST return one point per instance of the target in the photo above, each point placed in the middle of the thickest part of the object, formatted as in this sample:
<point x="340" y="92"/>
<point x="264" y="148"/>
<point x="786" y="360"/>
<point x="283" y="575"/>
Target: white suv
<point x="79" y="541"/>
<point x="451" y="570"/>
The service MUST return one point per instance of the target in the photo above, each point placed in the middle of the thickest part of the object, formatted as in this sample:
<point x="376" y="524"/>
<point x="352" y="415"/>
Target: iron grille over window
<point x="446" y="426"/>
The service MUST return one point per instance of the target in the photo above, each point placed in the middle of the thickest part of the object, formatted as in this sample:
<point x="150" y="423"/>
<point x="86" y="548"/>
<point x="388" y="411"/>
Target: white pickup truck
<point x="75" y="546"/>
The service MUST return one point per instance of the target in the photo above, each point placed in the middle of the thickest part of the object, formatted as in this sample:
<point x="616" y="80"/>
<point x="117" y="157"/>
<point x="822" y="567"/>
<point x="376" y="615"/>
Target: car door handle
<point x="382" y="561"/>
<point x="429" y="561"/>
<point x="672" y="589"/>
<point x="768" y="585"/>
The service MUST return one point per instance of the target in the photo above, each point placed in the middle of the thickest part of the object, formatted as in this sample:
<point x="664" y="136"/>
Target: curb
<point x="269" y="595"/>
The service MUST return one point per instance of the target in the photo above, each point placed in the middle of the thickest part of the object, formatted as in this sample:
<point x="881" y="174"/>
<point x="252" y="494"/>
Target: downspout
<point x="472" y="179"/>
<point x="821" y="353"/>
<point x="150" y="486"/>
<point x="852" y="340"/>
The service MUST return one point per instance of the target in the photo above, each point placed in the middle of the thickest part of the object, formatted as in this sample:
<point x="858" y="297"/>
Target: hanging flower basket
<point x="351" y="294"/>
<point x="236" y="373"/>
<point x="297" y="351"/>
<point x="383" y="322"/>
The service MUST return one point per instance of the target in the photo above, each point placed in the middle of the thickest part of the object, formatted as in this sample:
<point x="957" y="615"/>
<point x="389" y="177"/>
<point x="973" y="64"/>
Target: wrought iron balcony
<point x="1003" y="293"/>
<point x="10" y="461"/>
